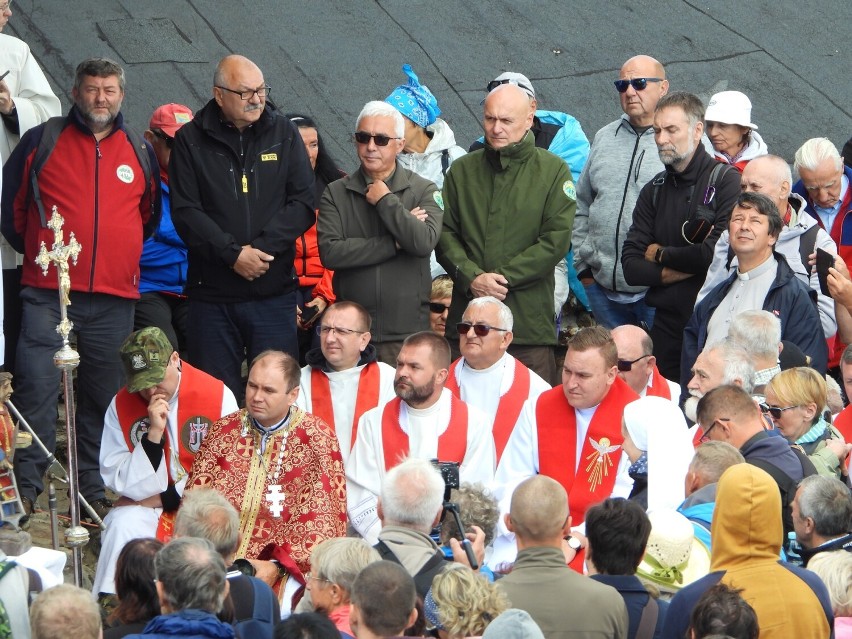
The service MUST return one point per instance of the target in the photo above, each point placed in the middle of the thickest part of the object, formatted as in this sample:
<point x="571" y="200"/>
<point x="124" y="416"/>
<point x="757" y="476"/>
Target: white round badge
<point x="124" y="173"/>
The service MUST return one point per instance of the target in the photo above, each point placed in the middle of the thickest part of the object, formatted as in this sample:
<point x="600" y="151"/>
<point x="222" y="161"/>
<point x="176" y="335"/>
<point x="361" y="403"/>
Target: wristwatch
<point x="658" y="255"/>
<point x="574" y="544"/>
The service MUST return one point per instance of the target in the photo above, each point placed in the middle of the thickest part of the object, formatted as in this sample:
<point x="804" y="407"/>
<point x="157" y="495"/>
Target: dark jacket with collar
<point x="380" y="254"/>
<point x="190" y="624"/>
<point x="230" y="188"/>
<point x="790" y="300"/>
<point x="635" y="598"/>
<point x="841" y="543"/>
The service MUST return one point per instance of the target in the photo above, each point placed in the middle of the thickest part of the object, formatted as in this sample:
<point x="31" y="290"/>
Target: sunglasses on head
<point x="775" y="411"/>
<point x="480" y="330"/>
<point x="625" y="365"/>
<point x="496" y="83"/>
<point x="638" y="84"/>
<point x="170" y="141"/>
<point x="362" y="137"/>
<point x="437" y="307"/>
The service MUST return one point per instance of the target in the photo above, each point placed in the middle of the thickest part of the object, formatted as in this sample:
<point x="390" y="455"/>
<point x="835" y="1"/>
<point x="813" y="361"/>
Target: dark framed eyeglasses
<point x="496" y="83"/>
<point x="167" y="140"/>
<point x="437" y="307"/>
<point x="262" y="92"/>
<point x="626" y="365"/>
<point x="705" y="434"/>
<point x="638" y="84"/>
<point x="362" y="137"/>
<point x="480" y="330"/>
<point x="775" y="411"/>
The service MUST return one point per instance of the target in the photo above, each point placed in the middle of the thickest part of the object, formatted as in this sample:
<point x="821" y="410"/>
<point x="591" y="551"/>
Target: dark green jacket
<point x="359" y="241"/>
<point x="508" y="211"/>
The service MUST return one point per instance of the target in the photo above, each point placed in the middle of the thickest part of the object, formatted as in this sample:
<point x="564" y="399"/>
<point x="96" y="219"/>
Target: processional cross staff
<point x="66" y="359"/>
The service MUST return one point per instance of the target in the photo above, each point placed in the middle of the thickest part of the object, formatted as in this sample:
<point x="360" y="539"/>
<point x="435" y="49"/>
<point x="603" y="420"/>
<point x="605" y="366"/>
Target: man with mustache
<point x="678" y="218"/>
<point x="242" y="191"/>
<point x="763" y="280"/>
<point x="425" y="420"/>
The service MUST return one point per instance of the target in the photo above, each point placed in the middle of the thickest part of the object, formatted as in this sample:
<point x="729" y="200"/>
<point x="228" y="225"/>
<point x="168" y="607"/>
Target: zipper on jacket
<point x="304" y="242"/>
<point x="245" y="188"/>
<point x="621" y="211"/>
<point x="98" y="157"/>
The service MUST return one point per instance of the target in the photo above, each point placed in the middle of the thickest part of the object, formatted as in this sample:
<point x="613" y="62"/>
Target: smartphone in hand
<point x="824" y="261"/>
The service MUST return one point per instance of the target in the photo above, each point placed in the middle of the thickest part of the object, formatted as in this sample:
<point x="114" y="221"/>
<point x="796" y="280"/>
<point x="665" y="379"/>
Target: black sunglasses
<point x="775" y="411"/>
<point x="496" y="83"/>
<point x="480" y="330"/>
<point x="437" y="307"/>
<point x="638" y="84"/>
<point x="625" y="365"/>
<point x="362" y="137"/>
<point x="170" y="141"/>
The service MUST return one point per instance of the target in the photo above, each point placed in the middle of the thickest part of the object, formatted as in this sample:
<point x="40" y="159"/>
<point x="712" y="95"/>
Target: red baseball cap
<point x="169" y="118"/>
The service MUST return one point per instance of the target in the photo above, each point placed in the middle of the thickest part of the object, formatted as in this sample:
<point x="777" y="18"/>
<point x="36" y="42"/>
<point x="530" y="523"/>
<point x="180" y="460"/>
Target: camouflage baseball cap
<point x="145" y="356"/>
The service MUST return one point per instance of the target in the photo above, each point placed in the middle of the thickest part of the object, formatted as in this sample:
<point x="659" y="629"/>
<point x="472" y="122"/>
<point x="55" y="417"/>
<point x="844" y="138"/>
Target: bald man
<point x="562" y="602"/>
<point x="623" y="159"/>
<point x="800" y="236"/>
<point x="508" y="214"/>
<point x="242" y="191"/>
<point x="637" y="365"/>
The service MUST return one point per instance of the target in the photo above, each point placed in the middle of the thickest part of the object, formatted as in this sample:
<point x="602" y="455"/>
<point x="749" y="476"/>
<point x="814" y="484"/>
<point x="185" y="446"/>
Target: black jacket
<point x="231" y="188"/>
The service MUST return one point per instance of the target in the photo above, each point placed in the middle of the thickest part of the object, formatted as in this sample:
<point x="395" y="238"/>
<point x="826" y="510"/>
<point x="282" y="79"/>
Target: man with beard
<point x="723" y="362"/>
<point x="426" y="421"/>
<point x="678" y="218"/>
<point x="101" y="183"/>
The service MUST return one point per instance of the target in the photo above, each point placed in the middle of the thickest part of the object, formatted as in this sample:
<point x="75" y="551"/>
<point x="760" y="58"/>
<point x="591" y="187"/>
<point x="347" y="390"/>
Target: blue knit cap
<point x="414" y="100"/>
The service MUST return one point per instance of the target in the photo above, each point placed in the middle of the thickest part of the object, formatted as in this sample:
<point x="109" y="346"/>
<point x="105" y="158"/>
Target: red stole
<point x="367" y="397"/>
<point x="843" y="421"/>
<point x="509" y="407"/>
<point x="452" y="443"/>
<point x="594" y="479"/>
<point x="199" y="405"/>
<point x="659" y="386"/>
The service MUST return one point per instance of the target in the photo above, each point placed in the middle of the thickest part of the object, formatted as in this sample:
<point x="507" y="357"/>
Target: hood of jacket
<point x="746" y="524"/>
<point x="443" y="138"/>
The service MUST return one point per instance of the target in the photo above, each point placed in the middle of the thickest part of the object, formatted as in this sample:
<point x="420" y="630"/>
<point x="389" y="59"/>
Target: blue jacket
<point x="635" y="597"/>
<point x="844" y="242"/>
<point x="163" y="262"/>
<point x="190" y="624"/>
<point x="788" y="299"/>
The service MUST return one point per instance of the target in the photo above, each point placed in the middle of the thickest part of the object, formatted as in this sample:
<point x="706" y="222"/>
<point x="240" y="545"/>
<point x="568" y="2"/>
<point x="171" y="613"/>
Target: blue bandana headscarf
<point x="414" y="100"/>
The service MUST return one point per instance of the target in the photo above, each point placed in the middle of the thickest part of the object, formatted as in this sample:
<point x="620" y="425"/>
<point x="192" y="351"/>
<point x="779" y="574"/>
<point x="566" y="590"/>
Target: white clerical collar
<point x="757" y="271"/>
<point x="500" y="363"/>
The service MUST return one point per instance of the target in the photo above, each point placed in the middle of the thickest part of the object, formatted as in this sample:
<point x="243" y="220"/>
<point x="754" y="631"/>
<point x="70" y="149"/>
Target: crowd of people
<point x="407" y="451"/>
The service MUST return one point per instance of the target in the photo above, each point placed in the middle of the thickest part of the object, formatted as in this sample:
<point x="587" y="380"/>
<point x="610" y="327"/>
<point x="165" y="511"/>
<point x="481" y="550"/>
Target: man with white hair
<point x="376" y="230"/>
<point x="824" y="184"/>
<point x="637" y="365"/>
<point x="800" y="236"/>
<point x="759" y="333"/>
<point x="724" y="362"/>
<point x="486" y="376"/>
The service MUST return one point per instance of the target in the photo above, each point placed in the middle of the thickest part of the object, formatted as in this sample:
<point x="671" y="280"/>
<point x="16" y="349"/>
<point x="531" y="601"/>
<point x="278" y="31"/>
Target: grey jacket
<point x="620" y="164"/>
<point x="358" y="242"/>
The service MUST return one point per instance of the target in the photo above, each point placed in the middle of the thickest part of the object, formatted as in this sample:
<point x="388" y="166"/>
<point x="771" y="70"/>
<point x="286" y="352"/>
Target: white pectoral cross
<point x="276" y="500"/>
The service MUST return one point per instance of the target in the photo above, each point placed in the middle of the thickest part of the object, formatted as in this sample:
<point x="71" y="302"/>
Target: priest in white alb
<point x="425" y="420"/>
<point x="486" y="376"/>
<point x="343" y="378"/>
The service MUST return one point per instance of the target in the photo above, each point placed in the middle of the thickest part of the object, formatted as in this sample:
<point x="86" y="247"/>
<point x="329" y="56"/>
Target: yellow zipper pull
<point x="245" y="183"/>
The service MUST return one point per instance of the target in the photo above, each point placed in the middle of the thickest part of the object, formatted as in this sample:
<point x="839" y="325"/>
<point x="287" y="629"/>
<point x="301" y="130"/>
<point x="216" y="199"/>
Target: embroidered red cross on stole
<point x="452" y="443"/>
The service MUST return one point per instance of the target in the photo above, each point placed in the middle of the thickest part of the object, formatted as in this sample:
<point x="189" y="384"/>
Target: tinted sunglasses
<point x="496" y="83"/>
<point x="437" y="307"/>
<point x="638" y="84"/>
<point x="362" y="137"/>
<point x="480" y="330"/>
<point x="625" y="365"/>
<point x="170" y="141"/>
<point x="775" y="411"/>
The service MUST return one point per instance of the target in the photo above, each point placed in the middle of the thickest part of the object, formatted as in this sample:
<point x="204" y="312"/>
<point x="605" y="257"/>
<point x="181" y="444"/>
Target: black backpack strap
<point x="140" y="147"/>
<point x="658" y="181"/>
<point x="648" y="621"/>
<point x="423" y="578"/>
<point x="445" y="161"/>
<point x="807" y="244"/>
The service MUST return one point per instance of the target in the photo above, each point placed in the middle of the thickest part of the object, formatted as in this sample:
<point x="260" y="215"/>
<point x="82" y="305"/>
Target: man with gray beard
<point x="425" y="420"/>
<point x="721" y="363"/>
<point x="678" y="218"/>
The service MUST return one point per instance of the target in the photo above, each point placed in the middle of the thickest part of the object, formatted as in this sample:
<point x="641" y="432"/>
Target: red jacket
<point x="309" y="268"/>
<point x="99" y="188"/>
